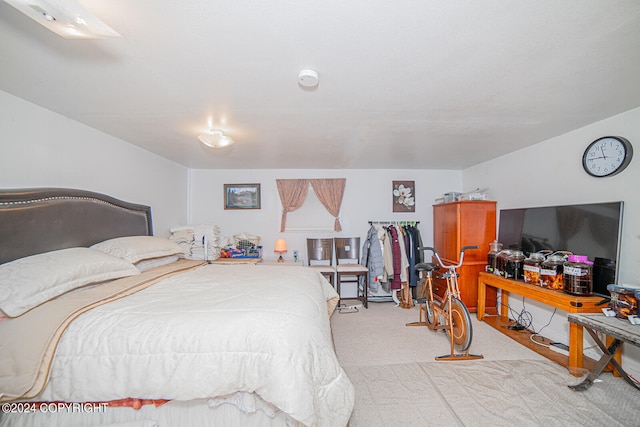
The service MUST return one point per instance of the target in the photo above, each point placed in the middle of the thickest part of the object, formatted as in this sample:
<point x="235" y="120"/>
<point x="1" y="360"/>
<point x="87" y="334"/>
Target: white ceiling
<point x="403" y="84"/>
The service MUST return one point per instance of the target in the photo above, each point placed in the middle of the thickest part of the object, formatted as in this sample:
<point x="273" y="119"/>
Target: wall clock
<point x="607" y="156"/>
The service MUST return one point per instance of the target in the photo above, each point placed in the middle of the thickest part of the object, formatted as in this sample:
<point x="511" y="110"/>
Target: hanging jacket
<point x="372" y="258"/>
<point x="396" y="255"/>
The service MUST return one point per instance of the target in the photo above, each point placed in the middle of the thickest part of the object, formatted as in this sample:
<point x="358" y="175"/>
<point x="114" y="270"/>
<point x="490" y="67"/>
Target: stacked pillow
<point x="144" y="251"/>
<point x="28" y="282"/>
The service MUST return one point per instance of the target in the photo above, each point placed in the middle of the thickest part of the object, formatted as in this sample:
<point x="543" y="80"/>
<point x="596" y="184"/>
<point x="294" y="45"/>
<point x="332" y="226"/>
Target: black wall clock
<point x="607" y="156"/>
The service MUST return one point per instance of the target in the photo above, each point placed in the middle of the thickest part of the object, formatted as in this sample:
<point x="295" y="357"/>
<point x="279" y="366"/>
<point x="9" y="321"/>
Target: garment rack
<point x="394" y="222"/>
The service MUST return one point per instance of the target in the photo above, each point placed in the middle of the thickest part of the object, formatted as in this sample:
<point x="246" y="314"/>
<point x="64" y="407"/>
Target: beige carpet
<point x="398" y="382"/>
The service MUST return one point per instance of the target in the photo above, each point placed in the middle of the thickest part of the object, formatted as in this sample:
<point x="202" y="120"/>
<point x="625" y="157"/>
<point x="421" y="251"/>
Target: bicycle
<point x="448" y="312"/>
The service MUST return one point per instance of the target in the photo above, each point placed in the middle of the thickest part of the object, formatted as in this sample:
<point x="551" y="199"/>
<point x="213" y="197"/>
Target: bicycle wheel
<point x="431" y="315"/>
<point x="462" y="329"/>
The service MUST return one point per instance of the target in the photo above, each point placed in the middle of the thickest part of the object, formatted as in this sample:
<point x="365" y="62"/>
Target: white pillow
<point x="148" y="264"/>
<point x="137" y="248"/>
<point x="28" y="282"/>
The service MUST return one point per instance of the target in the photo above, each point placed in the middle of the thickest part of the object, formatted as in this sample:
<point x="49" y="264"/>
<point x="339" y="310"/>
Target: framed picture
<point x="242" y="196"/>
<point x="403" y="194"/>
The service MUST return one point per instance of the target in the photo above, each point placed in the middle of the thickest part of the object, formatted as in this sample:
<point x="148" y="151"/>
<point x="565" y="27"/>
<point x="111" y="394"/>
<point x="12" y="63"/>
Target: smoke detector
<point x="308" y="78"/>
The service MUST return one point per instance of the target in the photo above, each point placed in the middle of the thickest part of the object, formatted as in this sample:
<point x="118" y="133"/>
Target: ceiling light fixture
<point x="215" y="138"/>
<point x="65" y="18"/>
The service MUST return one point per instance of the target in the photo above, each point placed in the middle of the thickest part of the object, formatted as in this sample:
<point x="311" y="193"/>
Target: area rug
<point x="487" y="393"/>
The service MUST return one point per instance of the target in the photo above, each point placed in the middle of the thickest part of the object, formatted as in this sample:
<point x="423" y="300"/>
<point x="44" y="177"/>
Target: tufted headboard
<point x="37" y="220"/>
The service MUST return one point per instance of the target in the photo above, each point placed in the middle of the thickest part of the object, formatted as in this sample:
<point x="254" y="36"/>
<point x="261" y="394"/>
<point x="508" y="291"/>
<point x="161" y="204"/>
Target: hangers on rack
<point x="401" y="223"/>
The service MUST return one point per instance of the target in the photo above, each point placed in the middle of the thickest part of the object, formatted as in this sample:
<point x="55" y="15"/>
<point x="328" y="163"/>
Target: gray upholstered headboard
<point x="37" y="220"/>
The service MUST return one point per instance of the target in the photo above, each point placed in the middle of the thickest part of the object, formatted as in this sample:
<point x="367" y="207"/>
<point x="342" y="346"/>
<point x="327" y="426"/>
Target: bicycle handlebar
<point x="451" y="266"/>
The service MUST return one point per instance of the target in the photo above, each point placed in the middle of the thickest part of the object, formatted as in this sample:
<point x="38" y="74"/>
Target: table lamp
<point x="281" y="246"/>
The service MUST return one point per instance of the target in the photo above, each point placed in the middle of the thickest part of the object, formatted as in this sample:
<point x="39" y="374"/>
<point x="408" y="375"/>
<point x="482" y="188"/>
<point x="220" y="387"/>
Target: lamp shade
<point x="281" y="246"/>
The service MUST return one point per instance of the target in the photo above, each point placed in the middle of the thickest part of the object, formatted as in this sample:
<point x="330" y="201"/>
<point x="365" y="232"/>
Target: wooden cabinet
<point x="465" y="223"/>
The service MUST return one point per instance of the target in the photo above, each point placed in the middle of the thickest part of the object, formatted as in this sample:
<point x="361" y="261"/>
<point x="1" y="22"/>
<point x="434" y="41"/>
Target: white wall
<point x="367" y="197"/>
<point x="39" y="148"/>
<point x="42" y="148"/>
<point x="550" y="173"/>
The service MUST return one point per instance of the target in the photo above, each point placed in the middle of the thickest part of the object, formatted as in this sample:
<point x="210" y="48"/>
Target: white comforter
<point x="211" y="332"/>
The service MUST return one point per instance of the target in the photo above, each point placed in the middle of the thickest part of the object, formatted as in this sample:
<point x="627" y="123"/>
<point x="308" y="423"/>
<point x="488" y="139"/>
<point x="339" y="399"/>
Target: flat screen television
<point x="594" y="230"/>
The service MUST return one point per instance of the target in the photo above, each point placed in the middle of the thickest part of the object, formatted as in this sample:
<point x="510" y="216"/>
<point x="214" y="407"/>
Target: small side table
<point x="619" y="330"/>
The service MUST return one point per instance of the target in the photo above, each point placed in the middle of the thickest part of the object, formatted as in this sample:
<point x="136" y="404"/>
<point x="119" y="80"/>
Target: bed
<point x="105" y="324"/>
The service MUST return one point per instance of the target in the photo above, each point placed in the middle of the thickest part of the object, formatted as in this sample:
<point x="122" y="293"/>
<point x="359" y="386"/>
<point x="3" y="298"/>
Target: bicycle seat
<point x="426" y="266"/>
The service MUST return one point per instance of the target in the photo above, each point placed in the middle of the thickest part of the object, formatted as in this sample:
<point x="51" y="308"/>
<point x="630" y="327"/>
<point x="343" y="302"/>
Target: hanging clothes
<point x="372" y="258"/>
<point x="396" y="256"/>
<point x="399" y="253"/>
<point x="414" y="241"/>
<point x="404" y="257"/>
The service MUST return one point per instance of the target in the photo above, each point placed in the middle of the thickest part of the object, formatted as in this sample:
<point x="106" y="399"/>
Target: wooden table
<point x="619" y="330"/>
<point x="553" y="298"/>
<point x="236" y="261"/>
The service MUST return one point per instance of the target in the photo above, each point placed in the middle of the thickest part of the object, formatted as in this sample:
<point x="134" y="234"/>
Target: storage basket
<point x="246" y="241"/>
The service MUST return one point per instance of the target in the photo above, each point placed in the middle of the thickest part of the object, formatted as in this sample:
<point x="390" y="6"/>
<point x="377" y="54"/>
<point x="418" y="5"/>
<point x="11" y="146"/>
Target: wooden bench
<point x="553" y="298"/>
<point x="619" y="331"/>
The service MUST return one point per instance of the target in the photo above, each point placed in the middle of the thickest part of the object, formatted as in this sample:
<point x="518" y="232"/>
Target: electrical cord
<point x="522" y="320"/>
<point x="548" y="323"/>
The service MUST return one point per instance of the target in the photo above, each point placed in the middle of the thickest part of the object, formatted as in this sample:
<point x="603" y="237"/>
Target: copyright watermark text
<point x="52" y="407"/>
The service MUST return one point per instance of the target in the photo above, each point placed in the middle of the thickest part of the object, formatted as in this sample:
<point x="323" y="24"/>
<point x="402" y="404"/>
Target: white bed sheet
<point x="210" y="332"/>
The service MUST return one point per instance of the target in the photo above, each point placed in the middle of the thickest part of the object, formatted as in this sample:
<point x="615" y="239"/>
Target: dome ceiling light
<point x="215" y="138"/>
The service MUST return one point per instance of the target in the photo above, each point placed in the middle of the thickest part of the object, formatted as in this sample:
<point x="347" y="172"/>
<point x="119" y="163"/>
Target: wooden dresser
<point x="465" y="223"/>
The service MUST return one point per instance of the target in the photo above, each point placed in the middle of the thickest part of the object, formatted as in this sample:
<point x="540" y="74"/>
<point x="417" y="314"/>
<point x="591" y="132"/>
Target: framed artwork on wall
<point x="242" y="196"/>
<point x="403" y="194"/>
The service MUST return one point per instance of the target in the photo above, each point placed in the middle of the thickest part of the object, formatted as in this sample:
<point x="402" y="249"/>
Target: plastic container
<point x="515" y="265"/>
<point x="551" y="272"/>
<point x="492" y="258"/>
<point x="624" y="300"/>
<point x="578" y="275"/>
<point x="451" y="197"/>
<point x="531" y="269"/>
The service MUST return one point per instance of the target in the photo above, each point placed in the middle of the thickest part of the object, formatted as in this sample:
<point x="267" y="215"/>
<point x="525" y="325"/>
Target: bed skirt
<point x="196" y="413"/>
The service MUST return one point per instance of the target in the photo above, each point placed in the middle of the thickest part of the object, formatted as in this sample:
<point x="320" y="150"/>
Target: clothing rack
<point x="394" y="222"/>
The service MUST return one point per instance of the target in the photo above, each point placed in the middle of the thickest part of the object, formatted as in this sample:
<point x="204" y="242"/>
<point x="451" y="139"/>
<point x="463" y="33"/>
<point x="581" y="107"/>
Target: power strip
<point x="559" y="350"/>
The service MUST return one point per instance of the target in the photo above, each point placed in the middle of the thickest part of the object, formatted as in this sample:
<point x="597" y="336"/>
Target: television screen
<point x="593" y="230"/>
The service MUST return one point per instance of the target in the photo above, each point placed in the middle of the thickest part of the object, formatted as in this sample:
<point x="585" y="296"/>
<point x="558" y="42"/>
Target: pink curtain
<point x="293" y="193"/>
<point x="330" y="192"/>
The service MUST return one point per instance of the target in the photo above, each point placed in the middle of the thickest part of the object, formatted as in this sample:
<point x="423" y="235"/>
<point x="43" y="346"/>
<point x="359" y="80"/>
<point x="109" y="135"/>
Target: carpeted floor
<point x="398" y="382"/>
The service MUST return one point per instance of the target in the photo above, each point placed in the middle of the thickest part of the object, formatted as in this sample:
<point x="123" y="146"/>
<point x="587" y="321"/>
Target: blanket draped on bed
<point x="208" y="332"/>
<point x="28" y="342"/>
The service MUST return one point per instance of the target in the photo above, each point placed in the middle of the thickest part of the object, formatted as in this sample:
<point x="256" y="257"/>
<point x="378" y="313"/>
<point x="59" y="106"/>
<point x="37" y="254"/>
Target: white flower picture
<point x="403" y="196"/>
